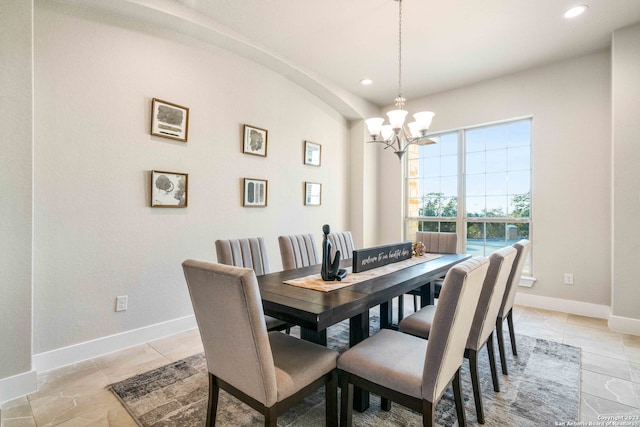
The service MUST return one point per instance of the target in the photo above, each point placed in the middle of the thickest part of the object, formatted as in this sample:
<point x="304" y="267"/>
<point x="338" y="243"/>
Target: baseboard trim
<point x="90" y="349"/>
<point x="625" y="325"/>
<point x="565" y="306"/>
<point x="18" y="385"/>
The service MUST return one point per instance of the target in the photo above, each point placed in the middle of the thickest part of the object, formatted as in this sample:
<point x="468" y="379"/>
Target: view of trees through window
<point x="489" y="203"/>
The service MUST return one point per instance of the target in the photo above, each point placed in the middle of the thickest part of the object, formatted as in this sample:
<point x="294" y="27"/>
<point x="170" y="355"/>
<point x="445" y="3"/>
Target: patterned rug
<point x="542" y="388"/>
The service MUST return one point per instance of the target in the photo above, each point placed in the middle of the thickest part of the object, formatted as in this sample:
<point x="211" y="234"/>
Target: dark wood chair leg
<point x="415" y="303"/>
<point x="385" y="404"/>
<point x="346" y="401"/>
<point x="503" y="359"/>
<point x="400" y="308"/>
<point x="271" y="417"/>
<point x="212" y="406"/>
<point x="475" y="382"/>
<point x="457" y="394"/>
<point x="492" y="363"/>
<point x="512" y="333"/>
<point x="428" y="414"/>
<point x="331" y="404"/>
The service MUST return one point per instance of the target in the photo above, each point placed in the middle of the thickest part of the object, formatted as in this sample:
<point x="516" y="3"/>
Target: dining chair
<point x="482" y="327"/>
<point x="437" y="243"/>
<point x="298" y="251"/>
<point x="506" y="309"/>
<point x="249" y="253"/>
<point x="268" y="371"/>
<point x="341" y="241"/>
<point x="412" y="371"/>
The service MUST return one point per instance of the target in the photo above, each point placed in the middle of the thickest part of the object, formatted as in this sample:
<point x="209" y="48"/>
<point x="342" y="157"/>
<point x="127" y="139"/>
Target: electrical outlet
<point x="122" y="302"/>
<point x="568" y="278"/>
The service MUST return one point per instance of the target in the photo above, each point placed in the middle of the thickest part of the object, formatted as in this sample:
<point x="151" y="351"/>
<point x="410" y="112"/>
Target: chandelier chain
<point x="399" y="48"/>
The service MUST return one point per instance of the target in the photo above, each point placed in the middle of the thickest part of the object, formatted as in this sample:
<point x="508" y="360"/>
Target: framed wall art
<point x="312" y="194"/>
<point x="169" y="120"/>
<point x="255" y="193"/>
<point x="254" y="141"/>
<point x="312" y="153"/>
<point x="169" y="189"/>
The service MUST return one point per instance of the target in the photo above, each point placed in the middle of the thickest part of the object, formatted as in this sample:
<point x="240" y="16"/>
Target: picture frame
<point x="255" y="193"/>
<point x="312" y="153"/>
<point x="169" y="120"/>
<point x="254" y="140"/>
<point x="312" y="194"/>
<point x="169" y="189"/>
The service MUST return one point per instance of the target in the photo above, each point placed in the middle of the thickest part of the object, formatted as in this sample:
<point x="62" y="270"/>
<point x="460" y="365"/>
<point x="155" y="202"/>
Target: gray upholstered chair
<point x="436" y="243"/>
<point x="269" y="371"/>
<point x="506" y="309"/>
<point x="249" y="253"/>
<point x="298" y="251"/>
<point x="420" y="323"/>
<point x="341" y="241"/>
<point x="410" y="370"/>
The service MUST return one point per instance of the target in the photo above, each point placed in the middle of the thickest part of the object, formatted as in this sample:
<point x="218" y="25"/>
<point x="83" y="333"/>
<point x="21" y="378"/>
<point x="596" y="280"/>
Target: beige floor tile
<point x="609" y="388"/>
<point x="112" y="416"/>
<point x="532" y="314"/>
<point x="18" y="422"/>
<point x="606" y="365"/>
<point x="179" y="346"/>
<point x="631" y="340"/>
<point x="605" y="347"/>
<point x="74" y="379"/>
<point x="593" y="408"/>
<point x="537" y="331"/>
<point x="129" y="362"/>
<point x="17" y="413"/>
<point x="56" y="408"/>
<point x="591" y="322"/>
<point x="632" y="353"/>
<point x="634" y="369"/>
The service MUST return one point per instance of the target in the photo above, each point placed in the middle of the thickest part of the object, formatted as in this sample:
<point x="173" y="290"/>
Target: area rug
<point x="542" y="389"/>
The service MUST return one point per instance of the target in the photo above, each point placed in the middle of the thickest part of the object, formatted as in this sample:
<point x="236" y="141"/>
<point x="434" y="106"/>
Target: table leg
<point x="359" y="331"/>
<point x="386" y="314"/>
<point x="426" y="294"/>
<point x="318" y="337"/>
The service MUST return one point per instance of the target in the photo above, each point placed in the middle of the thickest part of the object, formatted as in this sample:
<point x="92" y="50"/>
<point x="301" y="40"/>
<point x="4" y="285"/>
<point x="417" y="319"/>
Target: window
<point x="474" y="181"/>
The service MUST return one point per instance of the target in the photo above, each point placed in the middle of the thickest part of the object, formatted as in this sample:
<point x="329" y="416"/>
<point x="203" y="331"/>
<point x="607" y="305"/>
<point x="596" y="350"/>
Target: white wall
<point x="570" y="104"/>
<point x="16" y="148"/>
<point x="95" y="235"/>
<point x="626" y="177"/>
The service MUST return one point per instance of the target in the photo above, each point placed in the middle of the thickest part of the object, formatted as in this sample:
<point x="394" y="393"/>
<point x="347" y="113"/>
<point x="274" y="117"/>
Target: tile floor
<point x="76" y="395"/>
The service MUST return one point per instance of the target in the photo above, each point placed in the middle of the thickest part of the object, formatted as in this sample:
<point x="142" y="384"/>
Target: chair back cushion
<point x="343" y="242"/>
<point x="523" y="247"/>
<point x="228" y="309"/>
<point x="484" y="321"/>
<point x="298" y="251"/>
<point x="438" y="243"/>
<point x="249" y="253"/>
<point x="451" y="325"/>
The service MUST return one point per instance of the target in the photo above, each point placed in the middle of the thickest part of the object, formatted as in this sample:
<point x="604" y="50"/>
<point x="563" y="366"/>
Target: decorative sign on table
<point x="366" y="259"/>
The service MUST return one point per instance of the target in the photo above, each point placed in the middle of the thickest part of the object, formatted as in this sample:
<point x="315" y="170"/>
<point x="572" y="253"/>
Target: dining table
<point x="314" y="311"/>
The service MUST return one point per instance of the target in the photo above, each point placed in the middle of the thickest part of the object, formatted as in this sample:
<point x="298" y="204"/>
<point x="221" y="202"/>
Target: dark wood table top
<point x="315" y="310"/>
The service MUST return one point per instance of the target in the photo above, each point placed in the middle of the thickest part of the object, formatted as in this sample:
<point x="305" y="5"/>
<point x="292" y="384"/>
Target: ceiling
<point x="446" y="43"/>
<point x="328" y="46"/>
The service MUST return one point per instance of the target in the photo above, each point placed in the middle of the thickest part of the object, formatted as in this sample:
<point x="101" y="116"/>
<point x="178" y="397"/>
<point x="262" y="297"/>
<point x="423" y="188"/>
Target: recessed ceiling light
<point x="366" y="82"/>
<point x="575" y="11"/>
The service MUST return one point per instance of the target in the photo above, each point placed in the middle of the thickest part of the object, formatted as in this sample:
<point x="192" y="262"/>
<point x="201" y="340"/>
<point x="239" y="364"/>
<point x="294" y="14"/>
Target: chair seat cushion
<point x="390" y="359"/>
<point x="419" y="323"/>
<point x="298" y="363"/>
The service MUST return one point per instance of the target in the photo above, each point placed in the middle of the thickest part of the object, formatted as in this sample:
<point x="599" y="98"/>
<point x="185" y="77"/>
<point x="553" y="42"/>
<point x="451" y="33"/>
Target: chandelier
<point x="396" y="135"/>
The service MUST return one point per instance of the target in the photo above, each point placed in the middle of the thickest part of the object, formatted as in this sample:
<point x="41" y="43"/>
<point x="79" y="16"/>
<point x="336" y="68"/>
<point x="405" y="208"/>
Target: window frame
<point x="461" y="220"/>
